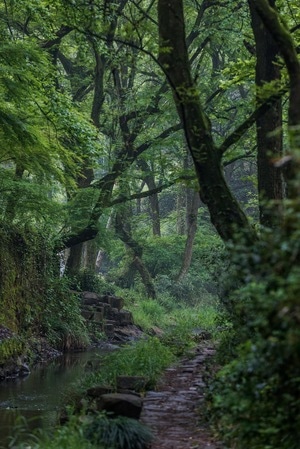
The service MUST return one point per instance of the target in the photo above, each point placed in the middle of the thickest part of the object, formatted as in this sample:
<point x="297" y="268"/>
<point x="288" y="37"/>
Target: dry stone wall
<point x="105" y="313"/>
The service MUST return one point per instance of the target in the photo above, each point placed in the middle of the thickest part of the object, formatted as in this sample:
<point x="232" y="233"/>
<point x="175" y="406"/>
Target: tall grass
<point x="69" y="436"/>
<point x="146" y="358"/>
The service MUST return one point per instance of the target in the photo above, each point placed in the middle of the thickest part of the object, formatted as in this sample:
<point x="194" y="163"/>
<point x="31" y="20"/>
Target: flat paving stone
<point x="173" y="412"/>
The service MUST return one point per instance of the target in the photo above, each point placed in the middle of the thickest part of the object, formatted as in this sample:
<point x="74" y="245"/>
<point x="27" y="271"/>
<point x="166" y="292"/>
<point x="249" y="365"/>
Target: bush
<point x="61" y="321"/>
<point x="69" y="436"/>
<point x="88" y="280"/>
<point x="117" y="433"/>
<point x="185" y="325"/>
<point x="148" y="313"/>
<point x="189" y="291"/>
<point x="256" y="395"/>
<point x="11" y="347"/>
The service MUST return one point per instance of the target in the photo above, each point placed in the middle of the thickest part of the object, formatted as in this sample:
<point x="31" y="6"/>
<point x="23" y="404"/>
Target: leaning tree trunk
<point x="137" y="251"/>
<point x="74" y="262"/>
<point x="226" y="214"/>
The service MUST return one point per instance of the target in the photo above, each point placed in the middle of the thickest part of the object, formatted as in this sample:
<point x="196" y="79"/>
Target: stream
<point x="38" y="396"/>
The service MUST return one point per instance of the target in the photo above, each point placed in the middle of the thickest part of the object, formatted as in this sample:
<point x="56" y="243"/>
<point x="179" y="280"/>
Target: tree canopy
<point x="121" y="125"/>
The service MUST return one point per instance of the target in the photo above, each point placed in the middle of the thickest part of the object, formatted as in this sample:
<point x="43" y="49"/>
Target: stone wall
<point x="105" y="313"/>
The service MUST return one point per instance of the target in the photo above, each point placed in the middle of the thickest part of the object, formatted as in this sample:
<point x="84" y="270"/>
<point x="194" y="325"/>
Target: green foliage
<point x="162" y="256"/>
<point x="179" y="323"/>
<point x="117" y="433"/>
<point x="61" y="321"/>
<point x="148" y="313"/>
<point x="88" y="280"/>
<point x="186" y="325"/>
<point x="188" y="291"/>
<point x="11" y="347"/>
<point x="34" y="300"/>
<point x="27" y="204"/>
<point x="23" y="271"/>
<point x="69" y="436"/>
<point x="143" y="358"/>
<point x="256" y="394"/>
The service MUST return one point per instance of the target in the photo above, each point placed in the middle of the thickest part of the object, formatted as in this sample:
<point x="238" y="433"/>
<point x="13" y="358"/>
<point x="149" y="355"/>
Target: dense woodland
<point x="151" y="149"/>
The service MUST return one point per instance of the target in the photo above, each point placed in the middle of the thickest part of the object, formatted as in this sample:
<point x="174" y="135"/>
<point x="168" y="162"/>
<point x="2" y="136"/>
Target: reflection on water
<point x="38" y="396"/>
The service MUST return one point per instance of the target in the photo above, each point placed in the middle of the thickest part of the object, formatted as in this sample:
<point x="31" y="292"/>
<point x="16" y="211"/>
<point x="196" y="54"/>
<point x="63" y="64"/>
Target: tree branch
<point x="235" y="136"/>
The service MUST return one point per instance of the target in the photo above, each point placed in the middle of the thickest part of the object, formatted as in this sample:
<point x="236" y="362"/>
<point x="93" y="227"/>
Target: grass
<point x="147" y="357"/>
<point x="69" y="436"/>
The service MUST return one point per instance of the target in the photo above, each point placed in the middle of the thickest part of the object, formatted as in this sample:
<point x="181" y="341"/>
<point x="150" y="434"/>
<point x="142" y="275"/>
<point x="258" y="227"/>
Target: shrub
<point x="69" y="436"/>
<point x="11" y="347"/>
<point x="88" y="280"/>
<point x="256" y="395"/>
<point x="117" y="433"/>
<point x="189" y="291"/>
<point x="61" y="321"/>
<point x="184" y="326"/>
<point x="148" y="313"/>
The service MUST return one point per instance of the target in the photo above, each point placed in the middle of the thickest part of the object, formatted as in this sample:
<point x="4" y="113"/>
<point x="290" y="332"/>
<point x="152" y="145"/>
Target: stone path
<point x="175" y="411"/>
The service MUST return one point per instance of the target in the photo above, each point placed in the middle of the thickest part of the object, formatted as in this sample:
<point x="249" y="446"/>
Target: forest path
<point x="175" y="411"/>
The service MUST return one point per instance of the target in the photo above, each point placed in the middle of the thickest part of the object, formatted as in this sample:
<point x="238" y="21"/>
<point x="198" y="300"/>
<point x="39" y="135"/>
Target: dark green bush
<point x="117" y="433"/>
<point x="88" y="280"/>
<point x="256" y="397"/>
<point x="61" y="322"/>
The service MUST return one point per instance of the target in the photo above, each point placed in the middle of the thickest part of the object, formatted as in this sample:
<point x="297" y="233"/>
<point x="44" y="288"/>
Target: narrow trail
<point x="175" y="411"/>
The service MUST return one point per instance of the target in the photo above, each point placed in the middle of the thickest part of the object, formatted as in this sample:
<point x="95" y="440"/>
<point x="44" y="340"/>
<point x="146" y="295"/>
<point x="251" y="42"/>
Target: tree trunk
<point x="268" y="126"/>
<point x="90" y="253"/>
<point x="287" y="48"/>
<point x="180" y="209"/>
<point x="191" y="232"/>
<point x="225" y="212"/>
<point x="73" y="264"/>
<point x="153" y="199"/>
<point x="137" y="251"/>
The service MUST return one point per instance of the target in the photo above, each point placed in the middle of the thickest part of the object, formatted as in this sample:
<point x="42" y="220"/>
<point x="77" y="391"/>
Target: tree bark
<point x="268" y="125"/>
<point x="89" y="255"/>
<point x="137" y="252"/>
<point x="181" y="210"/>
<point x="287" y="48"/>
<point x="225" y="212"/>
<point x="153" y="199"/>
<point x="73" y="264"/>
<point x="191" y="233"/>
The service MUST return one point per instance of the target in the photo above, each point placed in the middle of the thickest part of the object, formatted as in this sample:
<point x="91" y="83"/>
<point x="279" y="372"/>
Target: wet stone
<point x="173" y="413"/>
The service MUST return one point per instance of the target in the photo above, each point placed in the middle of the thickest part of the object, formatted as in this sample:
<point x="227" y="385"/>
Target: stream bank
<point x="33" y="384"/>
<point x="38" y="397"/>
<point x="104" y="318"/>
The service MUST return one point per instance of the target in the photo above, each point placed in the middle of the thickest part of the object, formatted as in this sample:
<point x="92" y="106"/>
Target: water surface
<point x="38" y="396"/>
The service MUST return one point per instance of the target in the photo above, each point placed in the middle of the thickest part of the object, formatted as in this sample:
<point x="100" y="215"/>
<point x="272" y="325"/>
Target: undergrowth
<point x="255" y="400"/>
<point x="146" y="358"/>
